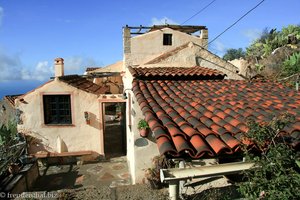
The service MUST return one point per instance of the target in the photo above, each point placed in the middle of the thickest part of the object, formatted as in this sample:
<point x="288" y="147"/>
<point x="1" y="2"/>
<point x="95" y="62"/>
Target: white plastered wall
<point x="79" y="136"/>
<point x="149" y="45"/>
<point x="140" y="151"/>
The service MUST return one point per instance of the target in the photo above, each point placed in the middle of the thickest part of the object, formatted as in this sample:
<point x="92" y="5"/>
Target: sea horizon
<point x="17" y="87"/>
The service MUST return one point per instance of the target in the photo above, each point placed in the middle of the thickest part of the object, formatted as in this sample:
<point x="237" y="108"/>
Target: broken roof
<point x="88" y="69"/>
<point x="11" y="98"/>
<point x="207" y="118"/>
<point x="182" y="28"/>
<point x="83" y="84"/>
<point x="115" y="67"/>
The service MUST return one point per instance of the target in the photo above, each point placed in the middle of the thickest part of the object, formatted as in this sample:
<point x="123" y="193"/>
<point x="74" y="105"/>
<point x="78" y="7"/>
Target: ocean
<point x="18" y="87"/>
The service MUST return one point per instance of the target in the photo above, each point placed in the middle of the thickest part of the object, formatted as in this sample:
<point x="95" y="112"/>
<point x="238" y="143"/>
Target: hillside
<point x="274" y="55"/>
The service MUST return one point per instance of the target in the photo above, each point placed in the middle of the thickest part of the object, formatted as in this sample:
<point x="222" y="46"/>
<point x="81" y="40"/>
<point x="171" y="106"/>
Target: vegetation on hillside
<point x="275" y="54"/>
<point x="273" y="39"/>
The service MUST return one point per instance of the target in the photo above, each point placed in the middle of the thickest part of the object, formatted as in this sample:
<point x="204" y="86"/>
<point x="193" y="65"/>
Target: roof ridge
<point x="197" y="72"/>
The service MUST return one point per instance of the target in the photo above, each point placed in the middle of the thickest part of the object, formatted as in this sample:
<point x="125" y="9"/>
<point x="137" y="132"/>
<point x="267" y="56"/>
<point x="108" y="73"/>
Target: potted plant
<point x="143" y="128"/>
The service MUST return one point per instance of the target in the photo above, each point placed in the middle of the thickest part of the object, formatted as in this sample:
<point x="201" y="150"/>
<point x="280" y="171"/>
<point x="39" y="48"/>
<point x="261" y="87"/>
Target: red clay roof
<point x="88" y="69"/>
<point x="83" y="84"/>
<point x="11" y="98"/>
<point x="207" y="118"/>
<point x="199" y="72"/>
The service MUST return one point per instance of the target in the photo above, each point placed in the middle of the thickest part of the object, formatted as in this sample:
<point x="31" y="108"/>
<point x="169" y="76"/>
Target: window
<point x="57" y="109"/>
<point x="167" y="39"/>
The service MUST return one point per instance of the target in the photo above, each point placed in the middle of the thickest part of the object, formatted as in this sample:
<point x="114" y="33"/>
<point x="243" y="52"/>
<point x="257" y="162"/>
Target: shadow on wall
<point x="143" y="142"/>
<point x="36" y="144"/>
<point x="94" y="121"/>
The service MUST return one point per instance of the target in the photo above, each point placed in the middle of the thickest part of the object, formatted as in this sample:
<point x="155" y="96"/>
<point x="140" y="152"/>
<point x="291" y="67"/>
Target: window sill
<point x="58" y="125"/>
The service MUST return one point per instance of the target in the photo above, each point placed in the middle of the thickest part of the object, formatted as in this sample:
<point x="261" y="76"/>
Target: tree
<point x="232" y="54"/>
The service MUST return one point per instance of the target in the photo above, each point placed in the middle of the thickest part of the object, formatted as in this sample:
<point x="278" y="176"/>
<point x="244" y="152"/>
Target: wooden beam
<point x="64" y="154"/>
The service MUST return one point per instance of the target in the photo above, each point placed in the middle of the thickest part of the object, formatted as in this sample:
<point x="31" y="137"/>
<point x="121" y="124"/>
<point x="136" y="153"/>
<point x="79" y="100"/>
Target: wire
<point x="197" y="13"/>
<point x="236" y="22"/>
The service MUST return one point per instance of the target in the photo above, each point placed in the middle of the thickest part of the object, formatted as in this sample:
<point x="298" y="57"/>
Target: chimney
<point x="126" y="46"/>
<point x="204" y="37"/>
<point x="59" y="67"/>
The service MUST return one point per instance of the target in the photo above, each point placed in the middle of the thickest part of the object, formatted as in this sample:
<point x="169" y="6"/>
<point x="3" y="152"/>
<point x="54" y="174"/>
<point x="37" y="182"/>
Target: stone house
<point x="195" y="103"/>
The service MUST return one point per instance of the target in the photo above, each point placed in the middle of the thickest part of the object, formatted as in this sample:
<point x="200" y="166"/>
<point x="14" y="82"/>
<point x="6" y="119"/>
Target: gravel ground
<point x="133" y="192"/>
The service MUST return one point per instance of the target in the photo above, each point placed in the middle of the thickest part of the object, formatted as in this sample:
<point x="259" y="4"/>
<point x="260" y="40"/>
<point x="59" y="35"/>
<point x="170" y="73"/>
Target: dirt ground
<point x="111" y="180"/>
<point x="133" y="192"/>
<point x="101" y="180"/>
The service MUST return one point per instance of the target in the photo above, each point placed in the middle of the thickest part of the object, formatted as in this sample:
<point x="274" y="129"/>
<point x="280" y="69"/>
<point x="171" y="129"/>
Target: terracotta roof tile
<point x="171" y="72"/>
<point x="200" y="118"/>
<point x="83" y="84"/>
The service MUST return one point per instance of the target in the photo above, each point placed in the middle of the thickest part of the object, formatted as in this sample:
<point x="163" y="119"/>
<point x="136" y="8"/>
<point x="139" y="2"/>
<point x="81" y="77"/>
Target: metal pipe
<point x="204" y="171"/>
<point x="182" y="182"/>
<point x="173" y="190"/>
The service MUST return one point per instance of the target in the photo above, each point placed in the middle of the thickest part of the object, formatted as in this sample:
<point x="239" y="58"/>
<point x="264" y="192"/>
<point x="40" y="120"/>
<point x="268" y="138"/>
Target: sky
<point x="89" y="32"/>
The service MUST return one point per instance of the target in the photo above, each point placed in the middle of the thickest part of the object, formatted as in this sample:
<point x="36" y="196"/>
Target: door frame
<point x="102" y="120"/>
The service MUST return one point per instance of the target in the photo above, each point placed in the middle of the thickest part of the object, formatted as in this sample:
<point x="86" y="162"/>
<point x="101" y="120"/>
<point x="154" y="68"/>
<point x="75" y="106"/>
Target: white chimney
<point x="59" y="67"/>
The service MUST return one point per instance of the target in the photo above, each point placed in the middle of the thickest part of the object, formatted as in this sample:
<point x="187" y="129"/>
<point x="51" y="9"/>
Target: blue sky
<point x="89" y="32"/>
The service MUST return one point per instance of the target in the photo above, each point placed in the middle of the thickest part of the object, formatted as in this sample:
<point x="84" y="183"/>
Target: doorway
<point x="114" y="129"/>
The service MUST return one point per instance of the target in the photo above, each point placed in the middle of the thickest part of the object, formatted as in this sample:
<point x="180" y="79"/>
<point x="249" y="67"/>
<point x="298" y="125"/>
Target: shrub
<point x="8" y="133"/>
<point x="276" y="175"/>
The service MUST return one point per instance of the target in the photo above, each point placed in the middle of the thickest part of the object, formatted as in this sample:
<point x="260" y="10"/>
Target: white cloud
<point x="9" y="66"/>
<point x="42" y="71"/>
<point x="12" y="68"/>
<point x="77" y="64"/>
<point x="252" y="34"/>
<point x="1" y="15"/>
<point x="218" y="48"/>
<point x="162" y="21"/>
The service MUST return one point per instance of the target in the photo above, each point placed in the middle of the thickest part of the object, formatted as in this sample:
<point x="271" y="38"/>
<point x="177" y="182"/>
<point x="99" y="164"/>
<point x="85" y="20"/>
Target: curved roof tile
<point x="200" y="118"/>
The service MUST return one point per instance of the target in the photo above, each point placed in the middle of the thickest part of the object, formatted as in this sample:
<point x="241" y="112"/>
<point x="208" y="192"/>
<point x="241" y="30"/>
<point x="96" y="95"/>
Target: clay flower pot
<point x="143" y="128"/>
<point x="144" y="132"/>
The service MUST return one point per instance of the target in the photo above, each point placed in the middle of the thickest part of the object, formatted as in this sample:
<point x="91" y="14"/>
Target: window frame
<point x="167" y="39"/>
<point x="57" y="103"/>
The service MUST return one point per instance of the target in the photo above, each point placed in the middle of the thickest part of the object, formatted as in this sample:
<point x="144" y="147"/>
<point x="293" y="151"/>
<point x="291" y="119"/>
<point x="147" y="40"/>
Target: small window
<point x="57" y="109"/>
<point x="167" y="39"/>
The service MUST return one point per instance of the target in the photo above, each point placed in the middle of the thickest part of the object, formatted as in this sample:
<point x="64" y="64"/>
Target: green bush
<point x="291" y="65"/>
<point x="275" y="176"/>
<point x="8" y="133"/>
